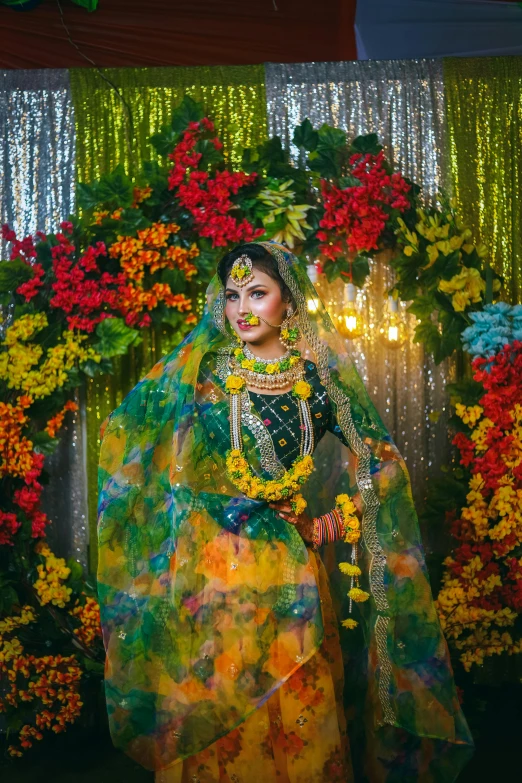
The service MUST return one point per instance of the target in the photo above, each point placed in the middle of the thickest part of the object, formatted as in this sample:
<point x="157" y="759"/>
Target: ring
<point x="281" y="514"/>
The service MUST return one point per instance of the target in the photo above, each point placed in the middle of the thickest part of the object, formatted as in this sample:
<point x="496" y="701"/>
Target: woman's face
<point x="261" y="297"/>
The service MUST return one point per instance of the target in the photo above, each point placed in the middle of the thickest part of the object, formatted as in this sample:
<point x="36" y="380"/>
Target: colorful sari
<point x="222" y="628"/>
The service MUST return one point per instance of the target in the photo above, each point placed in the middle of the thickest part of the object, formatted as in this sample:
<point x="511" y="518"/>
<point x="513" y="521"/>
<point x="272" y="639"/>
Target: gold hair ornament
<point x="241" y="272"/>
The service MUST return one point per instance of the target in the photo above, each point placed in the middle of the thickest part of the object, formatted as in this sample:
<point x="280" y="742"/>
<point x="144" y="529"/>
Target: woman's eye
<point x="258" y="294"/>
<point x="231" y="297"/>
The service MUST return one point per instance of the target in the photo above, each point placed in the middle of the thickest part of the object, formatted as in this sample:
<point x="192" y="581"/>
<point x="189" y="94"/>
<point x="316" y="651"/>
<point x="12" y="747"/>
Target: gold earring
<point x="290" y="334"/>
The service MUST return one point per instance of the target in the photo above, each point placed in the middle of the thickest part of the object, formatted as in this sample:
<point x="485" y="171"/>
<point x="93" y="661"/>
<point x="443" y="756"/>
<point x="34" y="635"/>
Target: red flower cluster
<point x="355" y="217"/>
<point x="9" y="525"/>
<point x="81" y="289"/>
<point x="209" y="198"/>
<point x="25" y="250"/>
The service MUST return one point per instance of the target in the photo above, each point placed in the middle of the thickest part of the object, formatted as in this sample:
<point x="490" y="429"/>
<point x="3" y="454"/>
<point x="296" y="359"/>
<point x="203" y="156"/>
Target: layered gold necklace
<point x="247" y="369"/>
<point x="268" y="373"/>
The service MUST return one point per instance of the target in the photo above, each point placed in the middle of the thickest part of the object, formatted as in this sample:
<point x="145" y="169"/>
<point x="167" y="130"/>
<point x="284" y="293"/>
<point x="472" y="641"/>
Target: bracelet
<point x="328" y="528"/>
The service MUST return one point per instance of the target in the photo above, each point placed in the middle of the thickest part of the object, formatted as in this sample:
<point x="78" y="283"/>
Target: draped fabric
<point x="403" y="103"/>
<point x="484" y="109"/>
<point x="189" y="32"/>
<point x="37" y="186"/>
<point x="208" y="601"/>
<point x="112" y="130"/>
<point x="388" y="29"/>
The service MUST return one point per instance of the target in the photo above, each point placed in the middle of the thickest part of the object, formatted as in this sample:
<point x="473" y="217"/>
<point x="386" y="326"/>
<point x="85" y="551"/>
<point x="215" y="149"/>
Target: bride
<point x="266" y="608"/>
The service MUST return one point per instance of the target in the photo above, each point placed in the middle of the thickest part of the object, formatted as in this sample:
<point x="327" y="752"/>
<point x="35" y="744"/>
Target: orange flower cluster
<point x="16" y="452"/>
<point x="54" y="424"/>
<point x="150" y="252"/>
<point x="51" y="682"/>
<point x="89" y="616"/>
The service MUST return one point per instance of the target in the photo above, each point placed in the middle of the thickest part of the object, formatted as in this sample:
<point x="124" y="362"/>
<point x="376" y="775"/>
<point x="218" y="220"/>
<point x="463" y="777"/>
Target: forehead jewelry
<point x="241" y="272"/>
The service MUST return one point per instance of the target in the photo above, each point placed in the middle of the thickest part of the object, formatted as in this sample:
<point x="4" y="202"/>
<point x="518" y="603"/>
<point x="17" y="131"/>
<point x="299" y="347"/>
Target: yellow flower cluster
<point x="20" y="364"/>
<point x="358" y="595"/>
<point x="350" y="569"/>
<point x="9" y="624"/>
<point x="469" y="414"/>
<point x="234" y="384"/>
<point x="49" y="586"/>
<point x="466" y="287"/>
<point x="347" y="509"/>
<point x="288" y="486"/>
<point x="302" y="389"/>
<point x="88" y="614"/>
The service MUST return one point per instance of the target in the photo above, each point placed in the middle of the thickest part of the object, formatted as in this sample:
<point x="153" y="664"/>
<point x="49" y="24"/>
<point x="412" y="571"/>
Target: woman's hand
<point x="303" y="523"/>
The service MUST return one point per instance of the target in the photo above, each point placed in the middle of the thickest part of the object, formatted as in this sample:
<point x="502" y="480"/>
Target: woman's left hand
<point x="303" y="523"/>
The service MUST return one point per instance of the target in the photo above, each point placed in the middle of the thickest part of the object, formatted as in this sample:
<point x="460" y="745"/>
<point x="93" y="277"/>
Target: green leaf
<point x="90" y="5"/>
<point x="93" y="666"/>
<point x="326" y="162"/>
<point x="467" y="392"/>
<point x="165" y="140"/>
<point x="43" y="442"/>
<point x="367" y="144"/>
<point x="116" y="187"/>
<point x="349" y="182"/>
<point x="132" y="220"/>
<point x="360" y="270"/>
<point x="13" y="274"/>
<point x="76" y="569"/>
<point x="427" y="333"/>
<point x="87" y="195"/>
<point x="305" y="136"/>
<point x="422" y="306"/>
<point x="331" y="137"/>
<point x="115" y="337"/>
<point x="188" y="111"/>
<point x="211" y="156"/>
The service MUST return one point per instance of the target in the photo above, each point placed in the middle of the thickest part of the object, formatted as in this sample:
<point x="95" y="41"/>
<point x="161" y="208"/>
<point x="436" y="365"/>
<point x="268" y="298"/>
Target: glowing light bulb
<point x="313" y="305"/>
<point x="349" y="322"/>
<point x="392" y="331"/>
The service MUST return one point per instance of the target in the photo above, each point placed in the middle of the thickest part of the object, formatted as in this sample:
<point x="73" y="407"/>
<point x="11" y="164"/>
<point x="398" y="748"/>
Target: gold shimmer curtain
<point x="484" y="112"/>
<point x="115" y="116"/>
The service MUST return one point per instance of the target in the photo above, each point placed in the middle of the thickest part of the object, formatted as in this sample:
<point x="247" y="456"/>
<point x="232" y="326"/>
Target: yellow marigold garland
<point x="348" y="511"/>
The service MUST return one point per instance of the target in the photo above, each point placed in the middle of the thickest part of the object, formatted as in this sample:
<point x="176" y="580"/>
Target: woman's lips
<point x="244" y="326"/>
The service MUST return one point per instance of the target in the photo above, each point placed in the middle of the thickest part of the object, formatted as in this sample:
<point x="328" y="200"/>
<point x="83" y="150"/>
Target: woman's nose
<point x="243" y="306"/>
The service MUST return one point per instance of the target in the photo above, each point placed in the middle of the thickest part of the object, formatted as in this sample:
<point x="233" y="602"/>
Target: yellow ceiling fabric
<point x="116" y="111"/>
<point x="484" y="113"/>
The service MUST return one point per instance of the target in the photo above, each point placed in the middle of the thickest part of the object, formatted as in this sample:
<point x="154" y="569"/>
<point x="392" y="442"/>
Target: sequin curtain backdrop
<point x="234" y="97"/>
<point x="484" y="106"/>
<point x="37" y="192"/>
<point x="403" y="102"/>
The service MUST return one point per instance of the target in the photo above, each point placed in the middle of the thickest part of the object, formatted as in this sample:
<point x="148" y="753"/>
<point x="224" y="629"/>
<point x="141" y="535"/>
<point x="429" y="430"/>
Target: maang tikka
<point x="241" y="272"/>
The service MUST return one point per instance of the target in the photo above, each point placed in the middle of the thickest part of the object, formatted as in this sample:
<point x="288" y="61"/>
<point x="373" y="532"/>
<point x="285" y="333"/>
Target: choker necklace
<point x="267" y="373"/>
<point x="249" y="355"/>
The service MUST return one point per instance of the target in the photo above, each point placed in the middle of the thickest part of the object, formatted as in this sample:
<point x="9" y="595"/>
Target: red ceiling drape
<point x="178" y="32"/>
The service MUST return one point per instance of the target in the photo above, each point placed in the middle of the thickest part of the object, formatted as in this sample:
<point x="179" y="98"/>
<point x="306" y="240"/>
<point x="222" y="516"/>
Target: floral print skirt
<point x="297" y="736"/>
